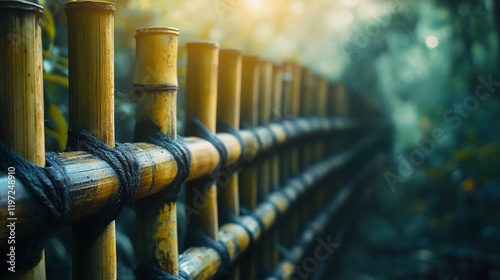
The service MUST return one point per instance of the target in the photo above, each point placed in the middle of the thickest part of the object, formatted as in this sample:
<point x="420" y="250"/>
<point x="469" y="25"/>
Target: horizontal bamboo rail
<point x="92" y="181"/>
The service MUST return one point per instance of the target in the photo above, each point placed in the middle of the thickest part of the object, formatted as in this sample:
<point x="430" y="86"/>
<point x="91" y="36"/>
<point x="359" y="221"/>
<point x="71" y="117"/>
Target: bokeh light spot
<point x="431" y="42"/>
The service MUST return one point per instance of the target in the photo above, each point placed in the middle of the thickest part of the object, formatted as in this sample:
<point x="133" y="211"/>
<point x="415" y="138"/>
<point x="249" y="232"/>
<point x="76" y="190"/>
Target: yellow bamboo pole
<point x="321" y="105"/>
<point x="21" y="93"/>
<point x="201" y="98"/>
<point x="250" y="116"/>
<point x="155" y="90"/>
<point x="91" y="107"/>
<point x="228" y="111"/>
<point x="248" y="177"/>
<point x="264" y="168"/>
<point x="341" y="102"/>
<point x="276" y="107"/>
<point x="277" y="114"/>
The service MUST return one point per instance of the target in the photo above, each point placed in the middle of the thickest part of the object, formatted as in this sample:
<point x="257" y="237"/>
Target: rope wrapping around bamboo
<point x="127" y="168"/>
<point x="49" y="187"/>
<point x="87" y="173"/>
<point x="201" y="263"/>
<point x="147" y="131"/>
<point x="223" y="126"/>
<point x="198" y="129"/>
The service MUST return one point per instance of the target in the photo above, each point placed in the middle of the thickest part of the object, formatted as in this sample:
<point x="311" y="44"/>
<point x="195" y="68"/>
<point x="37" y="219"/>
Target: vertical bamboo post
<point x="295" y="151"/>
<point x="250" y="116"/>
<point x="91" y="107"/>
<point x="21" y="92"/>
<point x="201" y="98"/>
<point x="248" y="176"/>
<point x="286" y="154"/>
<point x="341" y="102"/>
<point x="296" y="89"/>
<point x="264" y="116"/>
<point x="228" y="111"/>
<point x="264" y="168"/>
<point x="276" y="107"/>
<point x="322" y="141"/>
<point x="277" y="113"/>
<point x="307" y="99"/>
<point x="155" y="89"/>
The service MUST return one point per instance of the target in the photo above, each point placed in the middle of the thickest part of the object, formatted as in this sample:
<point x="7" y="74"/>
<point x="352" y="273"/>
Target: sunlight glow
<point x="255" y="5"/>
<point x="431" y="42"/>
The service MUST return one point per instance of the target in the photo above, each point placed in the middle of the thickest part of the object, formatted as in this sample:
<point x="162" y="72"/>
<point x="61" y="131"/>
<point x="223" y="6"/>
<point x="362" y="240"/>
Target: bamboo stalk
<point x="276" y="107"/>
<point x="320" y="150"/>
<point x="248" y="177"/>
<point x="250" y="116"/>
<point x="201" y="98"/>
<point x="295" y="165"/>
<point x="228" y="111"/>
<point x="341" y="102"/>
<point x="91" y="107"/>
<point x="21" y="89"/>
<point x="264" y="169"/>
<point x="155" y="90"/>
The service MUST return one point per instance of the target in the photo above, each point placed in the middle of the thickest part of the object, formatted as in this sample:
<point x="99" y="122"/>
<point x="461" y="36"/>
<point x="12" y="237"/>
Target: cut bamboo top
<point x="162" y="30"/>
<point x="202" y="45"/>
<point x="85" y="6"/>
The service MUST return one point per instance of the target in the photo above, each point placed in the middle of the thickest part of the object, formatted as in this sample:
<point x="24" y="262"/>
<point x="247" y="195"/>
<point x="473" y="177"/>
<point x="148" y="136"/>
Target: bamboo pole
<point x="93" y="182"/>
<point x="248" y="177"/>
<point x="295" y="150"/>
<point x="264" y="167"/>
<point x="277" y="114"/>
<point x="201" y="98"/>
<point x="276" y="107"/>
<point x="91" y="107"/>
<point x="228" y="111"/>
<point x="320" y="150"/>
<point x="341" y="102"/>
<point x="21" y="94"/>
<point x="155" y="90"/>
<point x="250" y="116"/>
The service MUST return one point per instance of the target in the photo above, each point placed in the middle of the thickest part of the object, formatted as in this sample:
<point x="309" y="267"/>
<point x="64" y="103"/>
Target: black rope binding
<point x="245" y="212"/>
<point x="228" y="218"/>
<point x="147" y="131"/>
<point x="49" y="187"/>
<point x="223" y="126"/>
<point x="128" y="171"/>
<point x="196" y="238"/>
<point x="196" y="128"/>
<point x="252" y="129"/>
<point x="153" y="271"/>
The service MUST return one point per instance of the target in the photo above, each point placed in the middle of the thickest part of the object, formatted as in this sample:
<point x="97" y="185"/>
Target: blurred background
<point x="433" y="67"/>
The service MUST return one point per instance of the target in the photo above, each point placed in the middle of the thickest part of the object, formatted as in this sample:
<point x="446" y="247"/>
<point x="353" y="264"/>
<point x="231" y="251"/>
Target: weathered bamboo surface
<point x="155" y="92"/>
<point x="21" y="100"/>
<point x="92" y="181"/>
